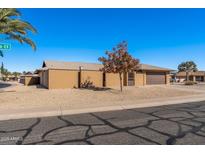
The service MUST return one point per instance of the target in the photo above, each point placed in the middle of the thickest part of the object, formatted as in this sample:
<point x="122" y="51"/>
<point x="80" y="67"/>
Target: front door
<point x="131" y="79"/>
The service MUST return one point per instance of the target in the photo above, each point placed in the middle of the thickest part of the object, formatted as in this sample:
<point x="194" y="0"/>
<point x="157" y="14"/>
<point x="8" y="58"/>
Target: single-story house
<point x="8" y="77"/>
<point x="198" y="76"/>
<point x="30" y="79"/>
<point x="61" y="75"/>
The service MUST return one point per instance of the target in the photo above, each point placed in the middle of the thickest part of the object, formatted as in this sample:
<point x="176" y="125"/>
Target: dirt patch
<point x="28" y="97"/>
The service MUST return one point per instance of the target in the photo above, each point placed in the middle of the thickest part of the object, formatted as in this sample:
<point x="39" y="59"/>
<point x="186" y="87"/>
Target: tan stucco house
<point x="61" y="75"/>
<point x="30" y="79"/>
<point x="198" y="76"/>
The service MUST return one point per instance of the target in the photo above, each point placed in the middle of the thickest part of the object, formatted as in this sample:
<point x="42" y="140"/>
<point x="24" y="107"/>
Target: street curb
<point x="125" y="107"/>
<point x="30" y="115"/>
<point x="60" y="112"/>
<point x="169" y="102"/>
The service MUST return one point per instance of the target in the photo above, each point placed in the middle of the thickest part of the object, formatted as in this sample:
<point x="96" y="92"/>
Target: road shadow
<point x="38" y="86"/>
<point x="5" y="85"/>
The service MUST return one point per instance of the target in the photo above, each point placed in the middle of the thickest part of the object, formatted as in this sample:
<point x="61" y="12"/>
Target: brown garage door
<point x="155" y="78"/>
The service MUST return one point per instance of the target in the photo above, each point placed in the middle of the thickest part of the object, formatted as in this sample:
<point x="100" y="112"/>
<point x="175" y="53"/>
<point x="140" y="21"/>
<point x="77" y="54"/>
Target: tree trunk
<point x="187" y="76"/>
<point x="120" y="75"/>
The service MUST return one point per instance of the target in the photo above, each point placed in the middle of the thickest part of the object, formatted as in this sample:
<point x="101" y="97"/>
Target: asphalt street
<point x="173" y="124"/>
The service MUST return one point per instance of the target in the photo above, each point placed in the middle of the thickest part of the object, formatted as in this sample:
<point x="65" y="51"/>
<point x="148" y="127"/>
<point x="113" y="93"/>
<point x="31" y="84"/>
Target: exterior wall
<point x="44" y="78"/>
<point x="95" y="78"/>
<point x="125" y="79"/>
<point x="145" y="78"/>
<point x="40" y="75"/>
<point x="62" y="79"/>
<point x="29" y="80"/>
<point x="113" y="80"/>
<point x="22" y="80"/>
<point x="139" y="78"/>
<point x="26" y="80"/>
<point x="168" y="77"/>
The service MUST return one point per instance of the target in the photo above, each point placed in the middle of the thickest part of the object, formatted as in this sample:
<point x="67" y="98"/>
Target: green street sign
<point x="4" y="46"/>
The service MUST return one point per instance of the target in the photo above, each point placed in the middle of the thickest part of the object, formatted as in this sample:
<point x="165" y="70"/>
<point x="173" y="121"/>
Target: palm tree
<point x="12" y="28"/>
<point x="2" y="68"/>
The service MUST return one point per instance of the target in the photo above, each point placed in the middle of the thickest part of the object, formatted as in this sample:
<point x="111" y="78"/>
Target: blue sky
<point x="162" y="37"/>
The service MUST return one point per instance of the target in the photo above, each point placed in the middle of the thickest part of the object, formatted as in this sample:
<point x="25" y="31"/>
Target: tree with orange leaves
<point x="119" y="61"/>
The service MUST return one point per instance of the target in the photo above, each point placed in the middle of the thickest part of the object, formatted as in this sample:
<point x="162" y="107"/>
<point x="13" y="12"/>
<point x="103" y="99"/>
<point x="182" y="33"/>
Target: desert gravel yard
<point x="197" y="87"/>
<point x="20" y="96"/>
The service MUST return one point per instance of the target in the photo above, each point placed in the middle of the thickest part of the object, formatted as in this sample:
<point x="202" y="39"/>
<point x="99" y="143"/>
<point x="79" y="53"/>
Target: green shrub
<point x="4" y="78"/>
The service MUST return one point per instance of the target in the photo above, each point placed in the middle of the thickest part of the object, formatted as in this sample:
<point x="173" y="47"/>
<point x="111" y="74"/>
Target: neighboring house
<point x="198" y="76"/>
<point x="30" y="79"/>
<point x="7" y="78"/>
<point x="28" y="73"/>
<point x="60" y="75"/>
<point x="12" y="78"/>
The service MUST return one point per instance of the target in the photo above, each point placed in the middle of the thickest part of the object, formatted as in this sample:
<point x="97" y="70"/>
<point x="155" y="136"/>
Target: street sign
<point x="5" y="46"/>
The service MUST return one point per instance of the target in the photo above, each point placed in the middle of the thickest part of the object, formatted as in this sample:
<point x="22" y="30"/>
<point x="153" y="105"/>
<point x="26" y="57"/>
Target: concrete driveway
<point x="173" y="124"/>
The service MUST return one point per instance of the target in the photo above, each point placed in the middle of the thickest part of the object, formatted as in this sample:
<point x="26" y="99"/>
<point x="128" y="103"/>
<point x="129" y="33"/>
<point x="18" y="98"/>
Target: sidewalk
<point x="60" y="109"/>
